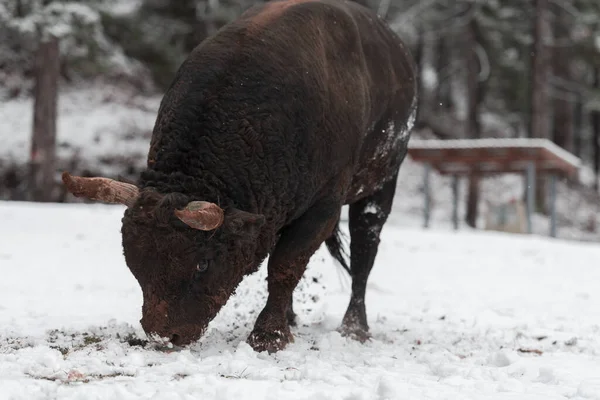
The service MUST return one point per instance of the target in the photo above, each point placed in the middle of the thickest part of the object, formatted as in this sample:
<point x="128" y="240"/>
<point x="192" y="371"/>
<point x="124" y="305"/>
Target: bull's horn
<point x="201" y="215"/>
<point x="102" y="189"/>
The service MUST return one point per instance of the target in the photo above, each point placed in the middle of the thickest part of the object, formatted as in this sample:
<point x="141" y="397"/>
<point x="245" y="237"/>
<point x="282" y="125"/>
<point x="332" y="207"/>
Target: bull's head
<point x="187" y="255"/>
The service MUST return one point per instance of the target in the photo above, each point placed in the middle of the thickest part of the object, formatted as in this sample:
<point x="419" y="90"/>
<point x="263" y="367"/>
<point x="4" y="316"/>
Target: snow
<point x="429" y="77"/>
<point x="407" y="128"/>
<point x="410" y="123"/>
<point x="91" y="125"/>
<point x="121" y="7"/>
<point x="465" y="315"/>
<point x="498" y="143"/>
<point x="372" y="208"/>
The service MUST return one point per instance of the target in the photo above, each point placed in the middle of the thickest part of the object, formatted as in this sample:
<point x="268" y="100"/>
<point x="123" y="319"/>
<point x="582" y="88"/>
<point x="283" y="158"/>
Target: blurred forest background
<point x="488" y="68"/>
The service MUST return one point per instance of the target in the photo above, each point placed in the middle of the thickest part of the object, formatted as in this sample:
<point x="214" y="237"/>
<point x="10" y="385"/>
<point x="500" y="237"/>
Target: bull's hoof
<point x="270" y="342"/>
<point x="355" y="332"/>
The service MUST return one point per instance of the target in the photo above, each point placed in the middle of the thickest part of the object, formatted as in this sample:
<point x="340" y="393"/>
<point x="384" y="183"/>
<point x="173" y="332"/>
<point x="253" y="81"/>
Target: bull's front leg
<point x="287" y="263"/>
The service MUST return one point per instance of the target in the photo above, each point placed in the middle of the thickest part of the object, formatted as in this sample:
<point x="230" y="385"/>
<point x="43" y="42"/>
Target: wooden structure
<point x="495" y="156"/>
<point x="42" y="171"/>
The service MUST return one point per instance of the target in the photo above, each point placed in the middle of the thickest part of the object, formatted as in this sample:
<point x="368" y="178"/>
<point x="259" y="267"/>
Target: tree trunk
<point x="540" y="105"/>
<point x="185" y="11"/>
<point x="473" y="127"/>
<point x="561" y="60"/>
<point x="418" y="48"/>
<point x="540" y="121"/>
<point x="19" y="11"/>
<point x="418" y="56"/>
<point x="444" y="60"/>
<point x="578" y="126"/>
<point x="427" y="95"/>
<point x="595" y="115"/>
<point x="43" y="141"/>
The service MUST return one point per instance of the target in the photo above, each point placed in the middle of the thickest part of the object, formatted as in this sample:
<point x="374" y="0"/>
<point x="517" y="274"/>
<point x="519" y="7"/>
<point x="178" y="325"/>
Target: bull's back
<point x="300" y="85"/>
<point x="362" y="80"/>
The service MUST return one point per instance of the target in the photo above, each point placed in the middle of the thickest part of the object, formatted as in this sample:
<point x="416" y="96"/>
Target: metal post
<point x="427" y="209"/>
<point x="455" y="189"/>
<point x="530" y="184"/>
<point x="553" y="205"/>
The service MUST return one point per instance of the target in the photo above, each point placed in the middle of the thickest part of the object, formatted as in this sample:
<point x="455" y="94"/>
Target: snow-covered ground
<point x="99" y="126"/>
<point x="454" y="316"/>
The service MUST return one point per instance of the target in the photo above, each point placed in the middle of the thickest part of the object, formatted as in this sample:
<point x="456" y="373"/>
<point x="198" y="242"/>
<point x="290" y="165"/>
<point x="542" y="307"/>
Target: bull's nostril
<point x="175" y="339"/>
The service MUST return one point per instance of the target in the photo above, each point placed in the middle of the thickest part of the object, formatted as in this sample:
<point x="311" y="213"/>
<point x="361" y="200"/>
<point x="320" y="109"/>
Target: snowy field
<point x="453" y="316"/>
<point x="91" y="124"/>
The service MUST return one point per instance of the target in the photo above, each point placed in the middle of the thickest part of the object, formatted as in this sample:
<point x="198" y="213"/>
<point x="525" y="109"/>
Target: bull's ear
<point x="242" y="224"/>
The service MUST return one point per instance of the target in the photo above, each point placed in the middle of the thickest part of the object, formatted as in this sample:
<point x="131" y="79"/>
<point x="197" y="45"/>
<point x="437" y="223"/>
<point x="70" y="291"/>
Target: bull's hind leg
<point x="287" y="263"/>
<point x="290" y="314"/>
<point x="366" y="219"/>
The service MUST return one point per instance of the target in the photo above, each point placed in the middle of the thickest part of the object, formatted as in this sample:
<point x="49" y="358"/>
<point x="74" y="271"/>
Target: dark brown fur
<point x="282" y="117"/>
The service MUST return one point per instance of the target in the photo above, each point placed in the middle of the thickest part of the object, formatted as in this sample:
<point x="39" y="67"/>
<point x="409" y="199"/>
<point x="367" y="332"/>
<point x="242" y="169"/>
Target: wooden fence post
<point x="43" y="140"/>
<point x="455" y="195"/>
<point x="427" y="195"/>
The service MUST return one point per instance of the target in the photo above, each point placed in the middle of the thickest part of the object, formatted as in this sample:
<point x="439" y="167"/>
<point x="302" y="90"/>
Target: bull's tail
<point x="335" y="246"/>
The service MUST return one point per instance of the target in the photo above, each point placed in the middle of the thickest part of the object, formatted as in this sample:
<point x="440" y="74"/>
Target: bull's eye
<point x="201" y="267"/>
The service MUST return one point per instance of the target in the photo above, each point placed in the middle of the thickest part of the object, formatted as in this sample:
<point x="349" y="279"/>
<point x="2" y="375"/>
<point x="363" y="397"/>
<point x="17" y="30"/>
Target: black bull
<point x="269" y="127"/>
